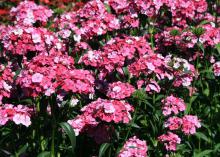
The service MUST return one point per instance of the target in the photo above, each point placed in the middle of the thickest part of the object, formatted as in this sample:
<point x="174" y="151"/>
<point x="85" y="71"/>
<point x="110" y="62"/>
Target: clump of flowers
<point x="190" y="123"/>
<point x="172" y="104"/>
<point x="28" y="13"/>
<point x="115" y="53"/>
<point x="44" y="74"/>
<point x="6" y="81"/>
<point x="134" y="147"/>
<point x="94" y="23"/>
<point x="20" y="40"/>
<point x="170" y="140"/>
<point x="19" y="114"/>
<point x="109" y="110"/>
<point x="119" y="90"/>
<point x="102" y="110"/>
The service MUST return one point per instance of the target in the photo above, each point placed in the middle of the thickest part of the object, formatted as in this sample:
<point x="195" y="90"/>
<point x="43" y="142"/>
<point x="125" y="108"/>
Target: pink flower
<point x="109" y="110"/>
<point x="216" y="68"/>
<point x="171" y="140"/>
<point x="19" y="114"/>
<point x="134" y="147"/>
<point x="190" y="123"/>
<point x="37" y="78"/>
<point x="173" y="123"/>
<point x="22" y="119"/>
<point x="120" y="90"/>
<point x="152" y="86"/>
<point x="172" y="104"/>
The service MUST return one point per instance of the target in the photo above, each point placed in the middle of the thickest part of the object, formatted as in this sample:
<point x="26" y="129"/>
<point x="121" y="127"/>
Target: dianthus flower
<point x="19" y="114"/>
<point x="173" y="123"/>
<point x="134" y="147"/>
<point x="216" y="68"/>
<point x="190" y="123"/>
<point x="119" y="90"/>
<point x="93" y="18"/>
<point x="109" y="110"/>
<point x="46" y="73"/>
<point x="82" y="122"/>
<point x="20" y="40"/>
<point x="170" y="141"/>
<point x="152" y="86"/>
<point x="172" y="104"/>
<point x="6" y="81"/>
<point x="114" y="54"/>
<point x="148" y="64"/>
<point x="27" y="13"/>
<point x="182" y="70"/>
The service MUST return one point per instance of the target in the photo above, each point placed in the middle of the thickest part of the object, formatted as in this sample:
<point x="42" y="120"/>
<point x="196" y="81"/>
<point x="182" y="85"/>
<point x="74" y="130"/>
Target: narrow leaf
<point x="103" y="149"/>
<point x="71" y="134"/>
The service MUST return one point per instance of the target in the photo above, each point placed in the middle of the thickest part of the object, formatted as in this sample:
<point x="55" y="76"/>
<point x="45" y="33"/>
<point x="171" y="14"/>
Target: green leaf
<point x="201" y="47"/>
<point x="103" y="149"/>
<point x="22" y="149"/>
<point x="203" y="153"/>
<point x="192" y="99"/>
<point x="71" y="134"/>
<point x="108" y="8"/>
<point x="217" y="46"/>
<point x="44" y="154"/>
<point x="202" y="136"/>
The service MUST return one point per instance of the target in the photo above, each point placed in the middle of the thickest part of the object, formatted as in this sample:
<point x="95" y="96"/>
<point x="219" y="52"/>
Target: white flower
<point x="74" y="102"/>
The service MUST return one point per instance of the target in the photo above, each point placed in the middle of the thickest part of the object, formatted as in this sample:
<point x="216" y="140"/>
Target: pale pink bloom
<point x="37" y="78"/>
<point x="22" y="119"/>
<point x="134" y="147"/>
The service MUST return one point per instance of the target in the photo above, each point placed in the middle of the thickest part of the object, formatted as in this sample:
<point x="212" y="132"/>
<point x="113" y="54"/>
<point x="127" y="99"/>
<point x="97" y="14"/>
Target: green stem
<point x="53" y="154"/>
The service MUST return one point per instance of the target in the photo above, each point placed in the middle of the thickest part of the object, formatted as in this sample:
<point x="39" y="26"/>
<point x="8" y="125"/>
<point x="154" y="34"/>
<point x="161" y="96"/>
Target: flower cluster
<point x="187" y="124"/>
<point x="93" y="18"/>
<point x="116" y="53"/>
<point x="6" y="81"/>
<point x="102" y="110"/>
<point x="20" y="40"/>
<point x="46" y="73"/>
<point x="134" y="147"/>
<point x="19" y="114"/>
<point x="171" y="140"/>
<point x="119" y="90"/>
<point x="28" y="13"/>
<point x="172" y="104"/>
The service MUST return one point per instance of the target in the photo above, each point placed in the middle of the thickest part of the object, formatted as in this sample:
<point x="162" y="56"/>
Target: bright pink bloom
<point x="170" y="141"/>
<point x="28" y="12"/>
<point x="172" y="104"/>
<point x="190" y="123"/>
<point x="173" y="123"/>
<point x="120" y="90"/>
<point x="109" y="110"/>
